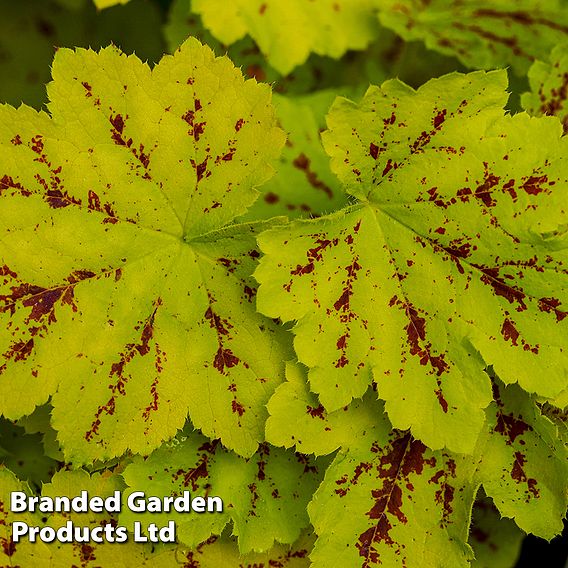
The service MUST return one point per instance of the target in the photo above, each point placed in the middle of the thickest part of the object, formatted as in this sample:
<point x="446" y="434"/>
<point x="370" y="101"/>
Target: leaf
<point x="285" y="32"/>
<point x="222" y="551"/>
<point x="30" y="32"/>
<point x="549" y="86"/>
<point x="315" y="430"/>
<point x="496" y="542"/>
<point x="483" y="34"/>
<point x="22" y="553"/>
<point x="519" y="459"/>
<point x="39" y="422"/>
<point x="388" y="500"/>
<point x="387" y="56"/>
<point x="264" y="496"/>
<point x="122" y="294"/>
<point x="24" y="454"/>
<point x="101" y="4"/>
<point x="524" y="464"/>
<point x="210" y="554"/>
<point x="303" y="185"/>
<point x="454" y="258"/>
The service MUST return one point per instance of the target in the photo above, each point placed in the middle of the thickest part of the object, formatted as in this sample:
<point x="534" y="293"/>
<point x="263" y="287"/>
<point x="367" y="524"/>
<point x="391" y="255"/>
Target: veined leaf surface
<point x="455" y="257"/>
<point x="483" y="34"/>
<point x="518" y="460"/>
<point x="265" y="496"/>
<point x="549" y="86"/>
<point x="524" y="463"/>
<point x="121" y="292"/>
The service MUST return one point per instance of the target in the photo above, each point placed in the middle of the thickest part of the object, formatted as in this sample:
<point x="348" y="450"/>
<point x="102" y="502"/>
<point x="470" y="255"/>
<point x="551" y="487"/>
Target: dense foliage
<point x="310" y="256"/>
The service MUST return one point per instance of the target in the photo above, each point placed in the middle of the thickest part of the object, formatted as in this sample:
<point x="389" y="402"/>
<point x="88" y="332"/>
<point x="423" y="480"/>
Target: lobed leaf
<point x="483" y="34"/>
<point x="549" y="86"/>
<point x="316" y="431"/>
<point x="524" y="464"/>
<point x="285" y="31"/>
<point x="454" y="259"/>
<point x="519" y="460"/>
<point x="113" y="215"/>
<point x="264" y="496"/>
<point x="389" y="500"/>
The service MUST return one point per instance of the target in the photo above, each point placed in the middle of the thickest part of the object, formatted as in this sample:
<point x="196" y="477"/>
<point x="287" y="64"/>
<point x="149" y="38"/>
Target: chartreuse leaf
<point x="386" y="57"/>
<point x="318" y="71"/>
<point x="285" y="31"/>
<point x="219" y="552"/>
<point x="264" y="496"/>
<point x="549" y="86"/>
<point x="454" y="251"/>
<point x="524" y="464"/>
<point x="304" y="184"/>
<point x="483" y="34"/>
<point x="496" y="542"/>
<point x="184" y="22"/>
<point x="507" y="460"/>
<point x="382" y="489"/>
<point x="215" y="552"/>
<point x="101" y="4"/>
<point x="315" y="431"/>
<point x="388" y="500"/>
<point x="121" y="294"/>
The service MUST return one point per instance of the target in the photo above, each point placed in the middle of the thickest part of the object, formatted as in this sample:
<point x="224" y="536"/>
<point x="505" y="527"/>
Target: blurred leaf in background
<point x="30" y="34"/>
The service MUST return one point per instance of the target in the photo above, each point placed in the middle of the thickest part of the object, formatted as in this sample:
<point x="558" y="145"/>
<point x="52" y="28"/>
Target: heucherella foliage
<point x="212" y="553"/>
<point x="114" y="211"/>
<point x="453" y="259"/>
<point x="523" y="462"/>
<point x="381" y="383"/>
<point x="285" y="31"/>
<point x="304" y="184"/>
<point x="265" y="496"/>
<point x="382" y="488"/>
<point x="483" y="34"/>
<point x="397" y="485"/>
<point x="386" y="56"/>
<point x="549" y="86"/>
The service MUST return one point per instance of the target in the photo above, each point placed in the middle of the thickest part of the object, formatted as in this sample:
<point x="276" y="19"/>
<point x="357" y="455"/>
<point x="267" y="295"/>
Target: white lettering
<point x="214" y="505"/>
<point x="198" y="504"/>
<point x="18" y="502"/>
<point x="113" y="503"/>
<point x="18" y="529"/>
<point x="138" y="536"/>
<point x="136" y="502"/>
